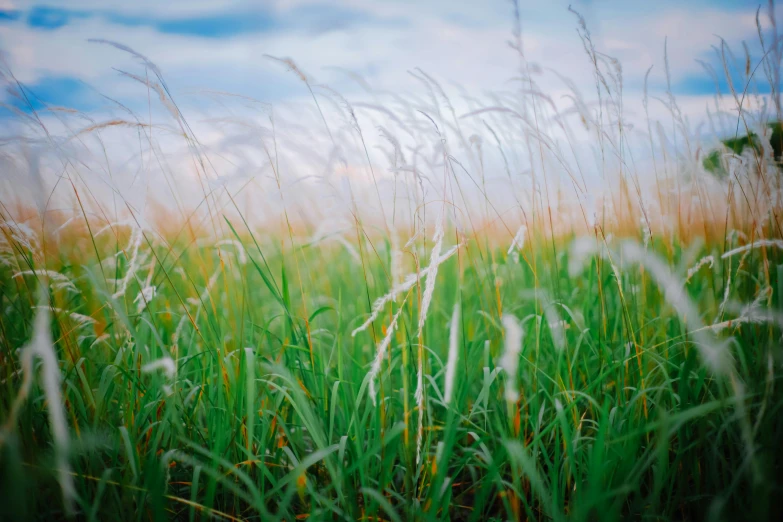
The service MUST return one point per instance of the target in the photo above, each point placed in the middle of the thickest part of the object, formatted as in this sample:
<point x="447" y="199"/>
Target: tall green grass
<point x="267" y="415"/>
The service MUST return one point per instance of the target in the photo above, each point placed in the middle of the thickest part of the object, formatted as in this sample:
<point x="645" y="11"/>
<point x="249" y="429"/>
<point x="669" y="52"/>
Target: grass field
<point x="236" y="388"/>
<point x="624" y="367"/>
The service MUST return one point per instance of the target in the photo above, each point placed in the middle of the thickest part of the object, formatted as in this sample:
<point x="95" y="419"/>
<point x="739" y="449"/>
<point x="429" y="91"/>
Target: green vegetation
<point x="712" y="162"/>
<point x="265" y="412"/>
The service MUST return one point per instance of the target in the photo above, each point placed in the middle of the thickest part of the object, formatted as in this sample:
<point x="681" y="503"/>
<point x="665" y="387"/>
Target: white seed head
<point x="509" y="361"/>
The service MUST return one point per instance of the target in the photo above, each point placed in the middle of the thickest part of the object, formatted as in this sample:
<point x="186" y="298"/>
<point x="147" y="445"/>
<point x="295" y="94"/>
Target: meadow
<point x="438" y="357"/>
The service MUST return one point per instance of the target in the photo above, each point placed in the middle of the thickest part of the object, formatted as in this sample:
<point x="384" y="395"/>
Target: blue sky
<point x="220" y="45"/>
<point x="210" y="24"/>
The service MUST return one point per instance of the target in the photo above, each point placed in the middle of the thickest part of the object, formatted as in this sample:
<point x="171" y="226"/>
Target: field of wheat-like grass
<point x="487" y="310"/>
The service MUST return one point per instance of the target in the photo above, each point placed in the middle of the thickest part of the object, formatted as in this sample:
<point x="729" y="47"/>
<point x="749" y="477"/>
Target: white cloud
<point x="460" y="42"/>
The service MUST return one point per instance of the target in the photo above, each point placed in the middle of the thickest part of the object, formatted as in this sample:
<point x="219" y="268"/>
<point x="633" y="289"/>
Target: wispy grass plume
<point x="451" y="362"/>
<point x="509" y="361"/>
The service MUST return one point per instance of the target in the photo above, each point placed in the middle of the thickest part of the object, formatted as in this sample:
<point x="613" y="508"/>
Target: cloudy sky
<point x="205" y="46"/>
<point x="201" y="44"/>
